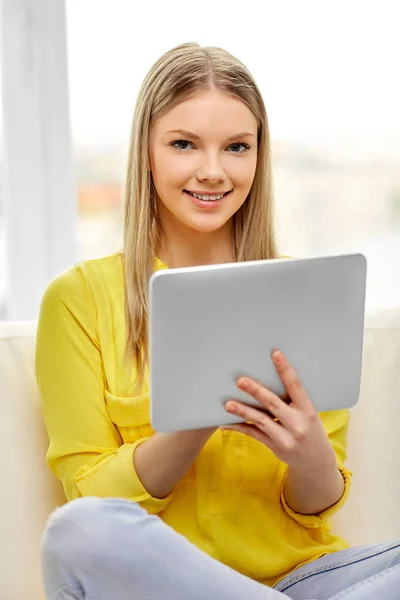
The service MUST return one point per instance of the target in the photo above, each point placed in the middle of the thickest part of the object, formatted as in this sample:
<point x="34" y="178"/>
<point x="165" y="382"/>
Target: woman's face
<point x="206" y="145"/>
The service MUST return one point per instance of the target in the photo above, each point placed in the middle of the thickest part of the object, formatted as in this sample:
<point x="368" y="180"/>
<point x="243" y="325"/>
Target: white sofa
<point x="29" y="492"/>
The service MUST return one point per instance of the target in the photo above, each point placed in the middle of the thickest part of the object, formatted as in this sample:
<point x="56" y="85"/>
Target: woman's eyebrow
<point x="197" y="137"/>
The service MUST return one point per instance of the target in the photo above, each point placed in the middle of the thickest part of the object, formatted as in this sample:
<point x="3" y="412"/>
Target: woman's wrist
<point x="162" y="460"/>
<point x="312" y="488"/>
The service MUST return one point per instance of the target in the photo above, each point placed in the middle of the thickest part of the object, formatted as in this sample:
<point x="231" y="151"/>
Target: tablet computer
<point x="209" y="325"/>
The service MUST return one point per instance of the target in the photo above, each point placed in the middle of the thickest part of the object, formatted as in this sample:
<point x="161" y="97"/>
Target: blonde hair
<point x="177" y="75"/>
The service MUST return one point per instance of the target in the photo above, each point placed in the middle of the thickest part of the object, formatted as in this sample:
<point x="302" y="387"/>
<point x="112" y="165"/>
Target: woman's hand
<point x="290" y="427"/>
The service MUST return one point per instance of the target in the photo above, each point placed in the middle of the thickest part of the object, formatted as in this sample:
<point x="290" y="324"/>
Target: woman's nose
<point x="211" y="169"/>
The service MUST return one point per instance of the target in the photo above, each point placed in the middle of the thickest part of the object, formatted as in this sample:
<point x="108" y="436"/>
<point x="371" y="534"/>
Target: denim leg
<point x="384" y="585"/>
<point x="333" y="574"/>
<point x="98" y="549"/>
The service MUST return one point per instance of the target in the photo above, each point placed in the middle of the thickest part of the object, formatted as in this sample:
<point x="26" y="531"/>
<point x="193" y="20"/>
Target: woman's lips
<point x="209" y="204"/>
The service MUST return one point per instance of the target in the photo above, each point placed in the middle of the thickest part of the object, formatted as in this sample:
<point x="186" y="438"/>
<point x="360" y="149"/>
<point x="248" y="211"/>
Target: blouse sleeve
<point x="85" y="450"/>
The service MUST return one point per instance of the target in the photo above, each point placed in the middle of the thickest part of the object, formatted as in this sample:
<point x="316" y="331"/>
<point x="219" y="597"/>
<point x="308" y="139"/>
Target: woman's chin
<point x="209" y="225"/>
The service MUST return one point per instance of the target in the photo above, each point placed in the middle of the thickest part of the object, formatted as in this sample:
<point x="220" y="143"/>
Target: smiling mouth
<point x="208" y="197"/>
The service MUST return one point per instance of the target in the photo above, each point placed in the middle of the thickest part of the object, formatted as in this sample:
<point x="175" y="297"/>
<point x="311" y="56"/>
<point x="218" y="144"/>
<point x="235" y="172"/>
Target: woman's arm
<point x="314" y="488"/>
<point x="161" y="461"/>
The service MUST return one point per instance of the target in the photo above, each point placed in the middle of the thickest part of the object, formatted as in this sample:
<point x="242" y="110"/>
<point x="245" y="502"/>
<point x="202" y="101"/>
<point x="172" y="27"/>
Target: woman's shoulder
<point x="104" y="273"/>
<point x="97" y="278"/>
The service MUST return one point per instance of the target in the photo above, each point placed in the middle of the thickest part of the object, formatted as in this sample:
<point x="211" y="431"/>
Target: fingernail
<point x="242" y="382"/>
<point x="277" y="356"/>
<point x="230" y="407"/>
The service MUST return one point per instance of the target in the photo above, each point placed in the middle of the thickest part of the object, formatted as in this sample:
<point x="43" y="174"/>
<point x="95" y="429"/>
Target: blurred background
<point x="71" y="72"/>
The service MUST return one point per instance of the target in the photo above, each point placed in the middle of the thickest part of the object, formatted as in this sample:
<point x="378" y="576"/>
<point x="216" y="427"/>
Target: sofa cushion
<point x="29" y="491"/>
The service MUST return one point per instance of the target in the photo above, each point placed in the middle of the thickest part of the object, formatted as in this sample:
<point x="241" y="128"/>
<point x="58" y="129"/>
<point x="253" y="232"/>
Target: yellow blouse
<point x="230" y="504"/>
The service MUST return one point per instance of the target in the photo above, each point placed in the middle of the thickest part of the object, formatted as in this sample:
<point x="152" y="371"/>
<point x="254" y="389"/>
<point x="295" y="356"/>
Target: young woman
<point x="228" y="513"/>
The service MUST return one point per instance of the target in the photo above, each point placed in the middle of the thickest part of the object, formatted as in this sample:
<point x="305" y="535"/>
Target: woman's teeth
<point x="206" y="197"/>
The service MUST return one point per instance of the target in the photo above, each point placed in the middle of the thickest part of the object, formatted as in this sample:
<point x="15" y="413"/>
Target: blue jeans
<point x="112" y="549"/>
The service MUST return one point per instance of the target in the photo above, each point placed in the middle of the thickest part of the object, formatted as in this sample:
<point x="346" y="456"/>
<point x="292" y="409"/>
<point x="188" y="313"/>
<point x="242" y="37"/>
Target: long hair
<point x="176" y="76"/>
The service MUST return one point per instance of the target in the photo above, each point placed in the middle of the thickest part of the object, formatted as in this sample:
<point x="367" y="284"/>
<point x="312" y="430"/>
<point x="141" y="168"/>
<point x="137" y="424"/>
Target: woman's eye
<point x="185" y="145"/>
<point x="236" y="148"/>
<point x="181" y="144"/>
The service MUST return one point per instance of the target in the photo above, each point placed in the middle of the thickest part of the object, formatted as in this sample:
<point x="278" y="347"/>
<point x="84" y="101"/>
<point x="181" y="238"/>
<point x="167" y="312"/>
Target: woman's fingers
<point x="269" y="402"/>
<point x="276" y="417"/>
<point x="254" y="432"/>
<point x="291" y="381"/>
<point x="271" y="428"/>
<point x="285" y="425"/>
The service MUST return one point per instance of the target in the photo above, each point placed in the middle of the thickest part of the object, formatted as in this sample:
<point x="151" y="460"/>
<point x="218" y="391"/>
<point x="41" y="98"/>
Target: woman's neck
<point x="193" y="248"/>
